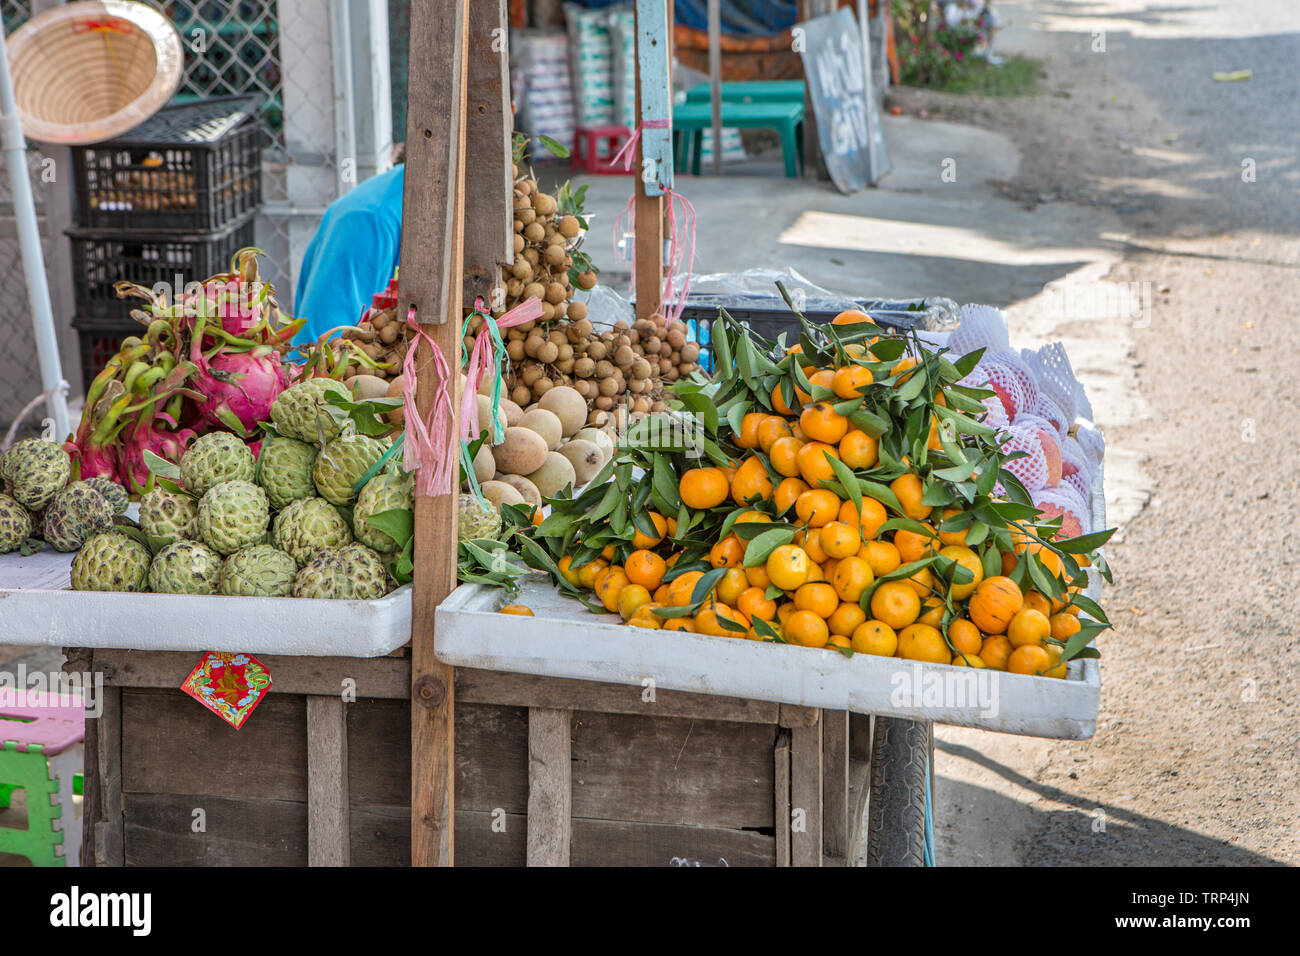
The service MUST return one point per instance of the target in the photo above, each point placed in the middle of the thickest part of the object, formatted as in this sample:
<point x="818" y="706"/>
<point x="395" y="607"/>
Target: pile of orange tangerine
<point x="835" y="558"/>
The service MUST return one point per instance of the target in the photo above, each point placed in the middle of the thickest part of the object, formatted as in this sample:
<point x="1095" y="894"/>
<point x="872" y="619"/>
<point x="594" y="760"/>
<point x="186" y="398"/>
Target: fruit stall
<point x="490" y="578"/>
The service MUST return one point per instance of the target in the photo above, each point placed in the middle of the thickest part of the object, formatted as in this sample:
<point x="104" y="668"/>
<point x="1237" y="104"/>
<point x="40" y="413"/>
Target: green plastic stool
<point x="691" y="119"/>
<point x="41" y="752"/>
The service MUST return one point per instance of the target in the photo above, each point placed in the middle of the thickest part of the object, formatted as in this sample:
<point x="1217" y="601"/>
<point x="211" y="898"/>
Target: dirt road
<point x="1195" y="759"/>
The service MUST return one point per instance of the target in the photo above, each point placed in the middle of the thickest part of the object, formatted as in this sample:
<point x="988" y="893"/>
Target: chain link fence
<point x="277" y="50"/>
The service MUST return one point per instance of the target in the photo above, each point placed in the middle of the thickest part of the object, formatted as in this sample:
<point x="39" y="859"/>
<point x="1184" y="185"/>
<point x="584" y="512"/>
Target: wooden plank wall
<point x="685" y="777"/>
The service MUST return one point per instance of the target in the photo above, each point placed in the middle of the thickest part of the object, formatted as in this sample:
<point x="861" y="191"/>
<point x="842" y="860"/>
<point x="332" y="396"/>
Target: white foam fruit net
<point x="982" y="327"/>
<point x="1031" y="469"/>
<point x="1065" y="500"/>
<point x="1007" y="373"/>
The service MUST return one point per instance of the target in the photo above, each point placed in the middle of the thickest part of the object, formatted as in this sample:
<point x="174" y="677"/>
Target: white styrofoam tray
<point x="564" y="639"/>
<point x="38" y="607"/>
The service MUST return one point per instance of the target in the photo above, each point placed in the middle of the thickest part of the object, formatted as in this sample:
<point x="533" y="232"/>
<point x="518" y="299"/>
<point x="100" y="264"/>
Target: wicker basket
<point x="89" y="71"/>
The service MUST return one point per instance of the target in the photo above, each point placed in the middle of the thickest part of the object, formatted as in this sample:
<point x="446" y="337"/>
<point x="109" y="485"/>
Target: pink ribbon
<point x="480" y="360"/>
<point x="679" y="246"/>
<point x="429" y="448"/>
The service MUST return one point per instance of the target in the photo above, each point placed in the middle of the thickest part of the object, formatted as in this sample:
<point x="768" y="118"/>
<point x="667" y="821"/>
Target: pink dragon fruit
<point x="144" y="437"/>
<point x="238" y="387"/>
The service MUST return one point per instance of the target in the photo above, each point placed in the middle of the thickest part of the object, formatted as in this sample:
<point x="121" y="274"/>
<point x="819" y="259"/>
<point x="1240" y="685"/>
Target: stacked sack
<point x="1039" y="403"/>
<point x="539" y="73"/>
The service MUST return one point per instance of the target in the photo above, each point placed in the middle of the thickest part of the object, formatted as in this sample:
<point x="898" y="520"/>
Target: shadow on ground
<point x="1078" y="831"/>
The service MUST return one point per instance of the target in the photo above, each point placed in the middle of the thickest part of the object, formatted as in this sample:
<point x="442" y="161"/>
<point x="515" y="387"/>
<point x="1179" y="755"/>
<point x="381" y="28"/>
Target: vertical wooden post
<point x="835" y="788"/>
<point x="329" y="834"/>
<point x="550" y="786"/>
<point x="489" y="240"/>
<point x="431" y="283"/>
<point x="648" y="208"/>
<point x="715" y="80"/>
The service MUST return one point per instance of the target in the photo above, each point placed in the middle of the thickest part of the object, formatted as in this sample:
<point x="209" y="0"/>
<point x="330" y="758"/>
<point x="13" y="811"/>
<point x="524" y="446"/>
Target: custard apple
<point x="284" y="470"/>
<point x="476" y="518"/>
<point x="308" y="525"/>
<point x="343" y="463"/>
<point x="382" y="493"/>
<point x="36" y="470"/>
<point x="353" y="572"/>
<point x="186" y="567"/>
<point x="232" y="516"/>
<point x="15" y="525"/>
<point x="116" y="496"/>
<point x="259" y="571"/>
<point x="214" y="458"/>
<point x="167" y="517"/>
<point x="111" y="561"/>
<point x="299" y="411"/>
<point x="76" y="514"/>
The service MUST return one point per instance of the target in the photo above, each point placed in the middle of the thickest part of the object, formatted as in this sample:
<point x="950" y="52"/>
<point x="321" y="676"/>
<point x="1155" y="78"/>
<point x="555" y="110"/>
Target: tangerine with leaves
<point x="702" y="488"/>
<point x="1064" y="625"/>
<point x="965" y="636"/>
<point x="846" y="619"/>
<point x="631" y="597"/>
<point x="821" y="422"/>
<point x="753" y="603"/>
<point x="787" y="567"/>
<point x="852" y="577"/>
<point x="751" y="482"/>
<point x="849" y="381"/>
<point x="770" y="430"/>
<point x="680" y="588"/>
<point x="895" y="603"/>
<point x="814" y="467"/>
<point x="858" y="449"/>
<point x="921" y="642"/>
<point x="727" y="553"/>
<point x="840" y="539"/>
<point x="643" y="540"/>
<point x="1028" y="627"/>
<point x="995" y="652"/>
<point x="1029" y="659"/>
<point x="787" y="492"/>
<point x="818" y="597"/>
<point x="995" y="602"/>
<point x="731" y="586"/>
<point x="645" y="568"/>
<point x="866" y="519"/>
<point x="909" y="490"/>
<point x="747" y="437"/>
<point x="818" y="507"/>
<point x="914" y="545"/>
<point x="851" y="317"/>
<point x="882" y="556"/>
<point x="784" y="456"/>
<point x="807" y="629"/>
<point x="969" y="560"/>
<point x="876" y="638"/>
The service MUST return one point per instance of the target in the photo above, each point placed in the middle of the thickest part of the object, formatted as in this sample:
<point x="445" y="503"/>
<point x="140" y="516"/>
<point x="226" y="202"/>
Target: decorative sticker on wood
<point x="229" y="685"/>
<point x="848" y="120"/>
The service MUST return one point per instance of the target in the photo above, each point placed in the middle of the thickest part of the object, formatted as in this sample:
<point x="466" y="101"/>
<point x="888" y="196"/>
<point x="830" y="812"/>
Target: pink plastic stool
<point x="586" y="154"/>
<point x="41" y="738"/>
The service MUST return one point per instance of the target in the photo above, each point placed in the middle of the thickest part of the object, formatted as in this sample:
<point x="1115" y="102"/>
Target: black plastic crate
<point x="769" y="317"/>
<point x="190" y="168"/>
<point x="99" y="340"/>
<point x="101" y="258"/>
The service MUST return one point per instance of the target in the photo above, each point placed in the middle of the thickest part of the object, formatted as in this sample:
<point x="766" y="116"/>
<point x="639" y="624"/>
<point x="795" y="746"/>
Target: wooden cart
<point x="548" y="772"/>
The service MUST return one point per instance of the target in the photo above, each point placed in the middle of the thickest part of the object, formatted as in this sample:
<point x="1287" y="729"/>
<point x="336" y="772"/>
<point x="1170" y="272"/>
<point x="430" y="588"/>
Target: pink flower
<point x="959" y="54"/>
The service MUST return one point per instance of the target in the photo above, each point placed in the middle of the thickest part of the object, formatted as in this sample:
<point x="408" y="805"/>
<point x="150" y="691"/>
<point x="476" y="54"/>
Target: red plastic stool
<point x="586" y="154"/>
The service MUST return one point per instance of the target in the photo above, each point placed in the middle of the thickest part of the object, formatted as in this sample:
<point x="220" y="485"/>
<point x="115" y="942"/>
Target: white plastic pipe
<point x="29" y="241"/>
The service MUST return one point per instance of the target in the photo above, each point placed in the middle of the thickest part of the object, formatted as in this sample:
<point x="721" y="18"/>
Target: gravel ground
<point x="1194" y="761"/>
